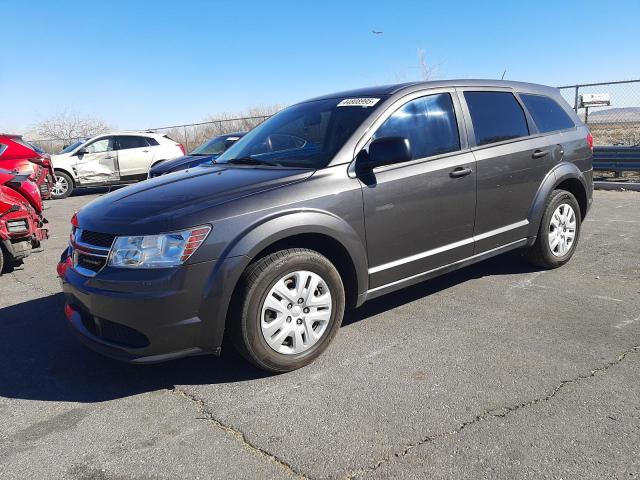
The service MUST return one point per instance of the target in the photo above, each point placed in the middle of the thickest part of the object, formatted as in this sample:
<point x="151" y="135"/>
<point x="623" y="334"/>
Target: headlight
<point x="157" y="251"/>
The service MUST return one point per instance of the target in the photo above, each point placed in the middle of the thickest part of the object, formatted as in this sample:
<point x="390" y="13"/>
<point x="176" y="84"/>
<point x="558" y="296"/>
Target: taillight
<point x="68" y="311"/>
<point x="590" y="141"/>
<point x="184" y="152"/>
<point x="74" y="219"/>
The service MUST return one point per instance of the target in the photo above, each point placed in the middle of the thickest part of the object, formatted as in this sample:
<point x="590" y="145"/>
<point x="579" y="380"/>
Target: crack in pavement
<point x="15" y="277"/>
<point x="490" y="414"/>
<point x="208" y="416"/>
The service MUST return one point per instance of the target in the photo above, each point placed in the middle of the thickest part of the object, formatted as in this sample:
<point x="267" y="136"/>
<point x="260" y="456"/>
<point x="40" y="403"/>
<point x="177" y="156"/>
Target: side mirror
<point x="82" y="151"/>
<point x="385" y="151"/>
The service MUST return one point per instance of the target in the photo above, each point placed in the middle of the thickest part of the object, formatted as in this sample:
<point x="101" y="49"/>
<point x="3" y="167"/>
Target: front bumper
<point x="146" y="316"/>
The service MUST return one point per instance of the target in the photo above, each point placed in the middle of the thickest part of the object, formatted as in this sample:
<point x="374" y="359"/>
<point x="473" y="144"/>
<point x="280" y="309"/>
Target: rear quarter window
<point x="545" y="111"/>
<point x="496" y="117"/>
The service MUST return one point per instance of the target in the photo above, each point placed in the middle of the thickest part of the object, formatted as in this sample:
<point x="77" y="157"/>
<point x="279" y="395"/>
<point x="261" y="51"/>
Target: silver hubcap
<point x="61" y="186"/>
<point x="562" y="230"/>
<point x="296" y="312"/>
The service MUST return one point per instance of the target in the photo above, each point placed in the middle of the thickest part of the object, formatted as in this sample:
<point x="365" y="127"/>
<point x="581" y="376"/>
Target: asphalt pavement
<point x="499" y="370"/>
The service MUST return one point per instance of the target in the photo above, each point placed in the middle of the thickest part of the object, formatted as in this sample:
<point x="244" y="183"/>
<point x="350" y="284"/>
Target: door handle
<point x="460" y="172"/>
<point x="145" y="151"/>
<point x="539" y="153"/>
<point x="109" y="158"/>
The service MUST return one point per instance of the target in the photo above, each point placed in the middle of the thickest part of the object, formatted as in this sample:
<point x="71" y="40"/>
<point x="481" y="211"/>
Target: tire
<point x="542" y="253"/>
<point x="58" y="191"/>
<point x="2" y="255"/>
<point x="302" y="330"/>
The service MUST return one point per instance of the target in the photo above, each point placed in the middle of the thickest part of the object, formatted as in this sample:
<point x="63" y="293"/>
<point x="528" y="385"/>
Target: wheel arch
<point x="319" y="231"/>
<point x="565" y="176"/>
<point x="67" y="172"/>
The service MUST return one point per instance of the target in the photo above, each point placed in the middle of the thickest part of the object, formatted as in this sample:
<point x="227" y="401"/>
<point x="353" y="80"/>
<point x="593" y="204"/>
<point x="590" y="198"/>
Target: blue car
<point x="206" y="152"/>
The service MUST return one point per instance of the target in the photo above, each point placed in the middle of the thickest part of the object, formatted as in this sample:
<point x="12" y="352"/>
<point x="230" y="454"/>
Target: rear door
<point x="512" y="160"/>
<point x="134" y="157"/>
<point x="419" y="215"/>
<point x="99" y="163"/>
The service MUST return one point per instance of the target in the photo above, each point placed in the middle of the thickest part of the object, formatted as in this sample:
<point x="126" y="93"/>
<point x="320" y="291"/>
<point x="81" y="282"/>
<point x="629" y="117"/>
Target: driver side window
<point x="428" y="122"/>
<point x="99" y="146"/>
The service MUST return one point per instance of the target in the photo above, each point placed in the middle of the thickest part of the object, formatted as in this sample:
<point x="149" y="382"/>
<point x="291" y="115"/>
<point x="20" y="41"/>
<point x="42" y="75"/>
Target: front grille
<point x="104" y="240"/>
<point x="17" y="226"/>
<point x="90" y="262"/>
<point x="90" y="250"/>
<point x="44" y="189"/>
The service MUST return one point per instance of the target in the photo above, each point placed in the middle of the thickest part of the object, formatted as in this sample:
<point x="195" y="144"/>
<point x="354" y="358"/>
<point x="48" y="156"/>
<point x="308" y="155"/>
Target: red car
<point x="22" y="226"/>
<point x="24" y="158"/>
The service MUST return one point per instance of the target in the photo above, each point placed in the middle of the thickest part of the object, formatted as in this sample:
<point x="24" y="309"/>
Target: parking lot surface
<point x="499" y="370"/>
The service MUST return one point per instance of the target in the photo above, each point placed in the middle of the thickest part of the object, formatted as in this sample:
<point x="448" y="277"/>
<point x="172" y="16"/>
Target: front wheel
<point x="558" y="233"/>
<point x="291" y="305"/>
<point x="62" y="187"/>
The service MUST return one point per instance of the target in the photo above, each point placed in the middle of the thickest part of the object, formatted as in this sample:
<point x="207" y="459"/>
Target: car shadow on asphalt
<point x="42" y="361"/>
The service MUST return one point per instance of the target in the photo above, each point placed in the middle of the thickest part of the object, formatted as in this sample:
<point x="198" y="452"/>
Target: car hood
<point x="180" y="200"/>
<point x="181" y="163"/>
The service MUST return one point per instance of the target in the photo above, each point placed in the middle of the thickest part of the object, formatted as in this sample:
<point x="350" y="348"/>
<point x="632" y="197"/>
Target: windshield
<point x="306" y="135"/>
<point x="215" y="146"/>
<point x="73" y="146"/>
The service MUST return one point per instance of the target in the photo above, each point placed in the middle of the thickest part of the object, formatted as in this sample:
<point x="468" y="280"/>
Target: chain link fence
<point x="615" y="124"/>
<point x="190" y="135"/>
<point x="194" y="134"/>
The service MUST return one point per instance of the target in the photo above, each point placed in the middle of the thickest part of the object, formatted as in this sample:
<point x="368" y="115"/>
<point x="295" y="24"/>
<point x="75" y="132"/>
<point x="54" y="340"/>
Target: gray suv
<point x="329" y="203"/>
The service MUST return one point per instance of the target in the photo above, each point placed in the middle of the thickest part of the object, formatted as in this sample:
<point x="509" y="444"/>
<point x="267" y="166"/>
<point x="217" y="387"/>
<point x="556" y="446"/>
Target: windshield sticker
<point x="358" y="102"/>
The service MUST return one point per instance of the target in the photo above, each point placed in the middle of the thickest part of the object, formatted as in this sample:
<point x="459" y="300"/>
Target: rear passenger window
<point x="496" y="116"/>
<point x="548" y="115"/>
<point x="126" y="142"/>
<point x="428" y="122"/>
<point x="151" y="141"/>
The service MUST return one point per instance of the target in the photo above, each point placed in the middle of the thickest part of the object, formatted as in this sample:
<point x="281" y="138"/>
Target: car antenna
<point x="503" y="74"/>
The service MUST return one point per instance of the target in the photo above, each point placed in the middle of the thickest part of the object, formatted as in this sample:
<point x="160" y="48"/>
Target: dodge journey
<point x="327" y="204"/>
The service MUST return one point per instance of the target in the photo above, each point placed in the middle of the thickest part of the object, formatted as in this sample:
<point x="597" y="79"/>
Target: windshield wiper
<point x="252" y="161"/>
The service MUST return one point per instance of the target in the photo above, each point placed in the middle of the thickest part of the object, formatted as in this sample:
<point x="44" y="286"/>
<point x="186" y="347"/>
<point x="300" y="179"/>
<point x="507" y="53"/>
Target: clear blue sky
<point x="141" y="64"/>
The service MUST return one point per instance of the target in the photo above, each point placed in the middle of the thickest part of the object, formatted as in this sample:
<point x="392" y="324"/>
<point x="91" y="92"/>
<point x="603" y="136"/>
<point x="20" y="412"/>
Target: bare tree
<point x="67" y="126"/>
<point x="425" y="71"/>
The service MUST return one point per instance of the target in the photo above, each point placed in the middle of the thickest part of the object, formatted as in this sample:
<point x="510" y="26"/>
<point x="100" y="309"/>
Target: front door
<point x="419" y="215"/>
<point x="97" y="162"/>
<point x="134" y="157"/>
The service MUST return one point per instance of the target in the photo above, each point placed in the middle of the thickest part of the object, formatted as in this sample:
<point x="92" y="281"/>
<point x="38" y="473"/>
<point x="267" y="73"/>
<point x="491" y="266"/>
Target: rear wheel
<point x="558" y="233"/>
<point x="62" y="187"/>
<point x="291" y="305"/>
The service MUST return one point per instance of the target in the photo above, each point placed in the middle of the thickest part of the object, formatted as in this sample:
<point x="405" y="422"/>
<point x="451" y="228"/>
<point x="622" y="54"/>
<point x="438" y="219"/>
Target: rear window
<point x="548" y="115"/>
<point x="496" y="117"/>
